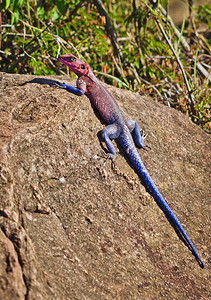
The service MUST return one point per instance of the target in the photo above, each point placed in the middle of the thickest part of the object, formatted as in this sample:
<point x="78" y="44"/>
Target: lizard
<point x="126" y="132"/>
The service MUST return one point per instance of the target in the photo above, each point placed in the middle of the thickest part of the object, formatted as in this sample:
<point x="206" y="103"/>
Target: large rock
<point x="75" y="227"/>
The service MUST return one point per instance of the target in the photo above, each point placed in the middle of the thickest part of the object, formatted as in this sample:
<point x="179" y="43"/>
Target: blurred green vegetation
<point x="35" y="33"/>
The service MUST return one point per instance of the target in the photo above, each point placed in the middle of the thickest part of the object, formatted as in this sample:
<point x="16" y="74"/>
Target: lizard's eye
<point x="72" y="59"/>
<point x="82" y="67"/>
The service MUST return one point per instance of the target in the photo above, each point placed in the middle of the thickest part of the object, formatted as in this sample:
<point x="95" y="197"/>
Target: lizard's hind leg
<point x="134" y="130"/>
<point x="110" y="132"/>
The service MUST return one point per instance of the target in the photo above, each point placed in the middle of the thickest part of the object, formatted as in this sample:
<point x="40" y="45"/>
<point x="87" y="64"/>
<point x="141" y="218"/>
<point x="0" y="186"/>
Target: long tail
<point x="144" y="175"/>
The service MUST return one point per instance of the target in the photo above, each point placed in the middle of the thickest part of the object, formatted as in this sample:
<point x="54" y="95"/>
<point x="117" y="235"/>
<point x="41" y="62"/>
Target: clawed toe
<point x="143" y="135"/>
<point x="110" y="156"/>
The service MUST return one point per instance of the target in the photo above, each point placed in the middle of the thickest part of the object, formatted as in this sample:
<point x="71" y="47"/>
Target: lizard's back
<point x="104" y="102"/>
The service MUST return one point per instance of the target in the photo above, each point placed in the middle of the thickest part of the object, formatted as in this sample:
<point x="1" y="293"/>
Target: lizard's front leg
<point x="79" y="90"/>
<point x="133" y="127"/>
<point x="110" y="132"/>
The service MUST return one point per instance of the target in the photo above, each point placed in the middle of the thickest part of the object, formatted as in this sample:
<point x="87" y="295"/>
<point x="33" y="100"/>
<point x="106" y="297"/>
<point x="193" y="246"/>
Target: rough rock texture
<point x="74" y="227"/>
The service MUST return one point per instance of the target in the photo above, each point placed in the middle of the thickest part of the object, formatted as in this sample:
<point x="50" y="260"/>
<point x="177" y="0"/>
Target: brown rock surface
<point x="73" y="227"/>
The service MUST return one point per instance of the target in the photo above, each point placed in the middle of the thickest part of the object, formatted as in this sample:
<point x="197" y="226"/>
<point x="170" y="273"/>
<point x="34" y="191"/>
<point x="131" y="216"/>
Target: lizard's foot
<point x="110" y="156"/>
<point x="143" y="136"/>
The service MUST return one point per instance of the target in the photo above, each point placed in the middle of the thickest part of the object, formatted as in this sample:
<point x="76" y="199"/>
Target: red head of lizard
<point x="78" y="66"/>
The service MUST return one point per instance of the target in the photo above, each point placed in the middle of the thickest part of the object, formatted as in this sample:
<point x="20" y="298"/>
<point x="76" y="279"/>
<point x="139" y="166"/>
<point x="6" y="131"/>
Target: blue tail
<point x="134" y="157"/>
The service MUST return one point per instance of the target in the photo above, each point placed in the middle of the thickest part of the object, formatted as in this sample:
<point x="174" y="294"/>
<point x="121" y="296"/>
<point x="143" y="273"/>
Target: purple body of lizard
<point x="118" y="128"/>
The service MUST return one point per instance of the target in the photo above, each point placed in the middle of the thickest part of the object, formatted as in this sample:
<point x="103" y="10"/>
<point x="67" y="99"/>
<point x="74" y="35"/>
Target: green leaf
<point x="20" y="3"/>
<point x="54" y="14"/>
<point x="15" y="17"/>
<point x="181" y="33"/>
<point x="40" y="12"/>
<point x="195" y="61"/>
<point x="7" y="4"/>
<point x="62" y="7"/>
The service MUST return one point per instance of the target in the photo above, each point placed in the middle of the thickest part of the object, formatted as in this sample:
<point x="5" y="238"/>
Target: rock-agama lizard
<point x="120" y="129"/>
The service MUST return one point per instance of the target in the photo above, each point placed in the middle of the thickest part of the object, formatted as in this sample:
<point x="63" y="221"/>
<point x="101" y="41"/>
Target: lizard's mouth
<point x="64" y="60"/>
<point x="68" y="60"/>
<point x="67" y="63"/>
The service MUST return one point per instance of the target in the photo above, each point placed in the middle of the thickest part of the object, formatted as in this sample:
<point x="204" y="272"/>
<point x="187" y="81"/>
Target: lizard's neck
<point x="90" y="78"/>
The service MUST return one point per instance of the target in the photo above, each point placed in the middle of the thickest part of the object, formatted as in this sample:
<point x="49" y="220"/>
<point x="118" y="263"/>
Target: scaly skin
<point x="118" y="128"/>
